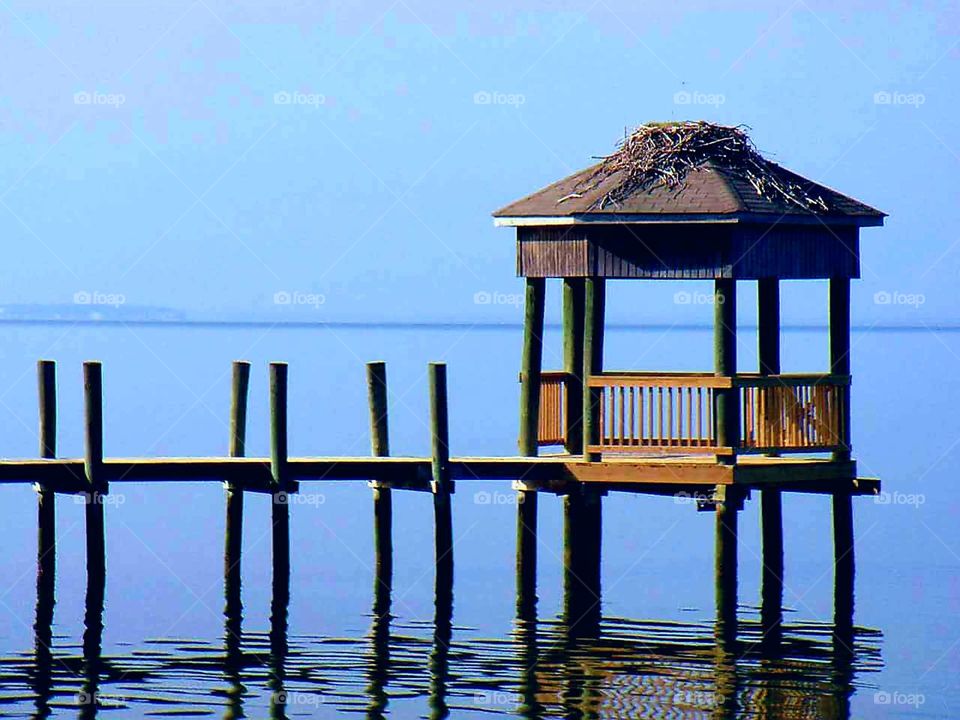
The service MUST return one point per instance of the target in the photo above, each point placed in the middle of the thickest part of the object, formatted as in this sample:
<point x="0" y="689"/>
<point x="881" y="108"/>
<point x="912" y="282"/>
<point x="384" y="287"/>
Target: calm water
<point x="167" y="649"/>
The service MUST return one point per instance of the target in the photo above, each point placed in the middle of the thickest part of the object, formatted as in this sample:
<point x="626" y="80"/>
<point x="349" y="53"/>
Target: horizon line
<point x="450" y="324"/>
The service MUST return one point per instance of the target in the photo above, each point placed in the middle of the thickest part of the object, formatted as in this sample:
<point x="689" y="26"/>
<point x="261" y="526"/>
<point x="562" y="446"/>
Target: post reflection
<point x="41" y="680"/>
<point x="279" y="604"/>
<point x="439" y="662"/>
<point x="92" y="663"/>
<point x="378" y="670"/>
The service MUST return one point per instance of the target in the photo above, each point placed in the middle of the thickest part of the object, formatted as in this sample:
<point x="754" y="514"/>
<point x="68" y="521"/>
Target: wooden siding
<point x="688" y="252"/>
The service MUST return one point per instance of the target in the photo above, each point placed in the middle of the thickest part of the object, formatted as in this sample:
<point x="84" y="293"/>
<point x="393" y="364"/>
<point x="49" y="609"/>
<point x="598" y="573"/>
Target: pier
<point x="716" y="438"/>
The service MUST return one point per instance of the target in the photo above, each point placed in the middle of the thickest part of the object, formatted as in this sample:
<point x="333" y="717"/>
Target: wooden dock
<point x="551" y="473"/>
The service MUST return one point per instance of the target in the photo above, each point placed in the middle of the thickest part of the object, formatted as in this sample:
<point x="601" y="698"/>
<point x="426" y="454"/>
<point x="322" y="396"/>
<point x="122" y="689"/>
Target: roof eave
<point x="594" y="218"/>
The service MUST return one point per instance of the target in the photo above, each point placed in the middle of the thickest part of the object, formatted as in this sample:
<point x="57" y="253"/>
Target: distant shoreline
<point x="437" y="325"/>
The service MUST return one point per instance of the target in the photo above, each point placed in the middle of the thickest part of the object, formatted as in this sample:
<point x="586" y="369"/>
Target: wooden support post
<point x="594" y="305"/>
<point x="383" y="544"/>
<point x="844" y="562"/>
<point x="771" y="509"/>
<point x="46" y="499"/>
<point x="582" y="532"/>
<point x="573" y="314"/>
<point x="526" y="553"/>
<point x="382" y="499"/>
<point x="843" y="535"/>
<point x="233" y="539"/>
<point x="725" y="558"/>
<point x="726" y="400"/>
<point x="46" y="543"/>
<point x="278" y="469"/>
<point x="93" y="468"/>
<point x="530" y="366"/>
<point x="840" y="355"/>
<point x="440" y="467"/>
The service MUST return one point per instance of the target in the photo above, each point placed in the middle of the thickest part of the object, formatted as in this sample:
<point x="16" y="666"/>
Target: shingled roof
<point x="707" y="184"/>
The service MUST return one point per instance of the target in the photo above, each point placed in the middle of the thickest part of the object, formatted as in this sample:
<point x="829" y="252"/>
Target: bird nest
<point x="662" y="154"/>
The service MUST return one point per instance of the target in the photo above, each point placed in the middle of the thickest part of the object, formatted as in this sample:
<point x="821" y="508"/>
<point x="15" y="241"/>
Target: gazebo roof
<point x="672" y="183"/>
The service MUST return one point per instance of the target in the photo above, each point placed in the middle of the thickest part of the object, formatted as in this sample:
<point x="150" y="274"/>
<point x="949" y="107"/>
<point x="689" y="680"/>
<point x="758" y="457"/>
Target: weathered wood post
<point x="594" y="306"/>
<point x="530" y="368"/>
<point x="46" y="499"/>
<point x="279" y="476"/>
<point x="843" y="538"/>
<point x="726" y="400"/>
<point x="46" y="544"/>
<point x="233" y="539"/>
<point x="441" y="484"/>
<point x="729" y="501"/>
<point x="573" y="314"/>
<point x="771" y="508"/>
<point x="93" y="469"/>
<point x="582" y="532"/>
<point x="382" y="499"/>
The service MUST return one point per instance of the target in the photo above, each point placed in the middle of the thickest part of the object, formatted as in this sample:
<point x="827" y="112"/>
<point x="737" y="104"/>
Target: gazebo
<point x="691" y="201"/>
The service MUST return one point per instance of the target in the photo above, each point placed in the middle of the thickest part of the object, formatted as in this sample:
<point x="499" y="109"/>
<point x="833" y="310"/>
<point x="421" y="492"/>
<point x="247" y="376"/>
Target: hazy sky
<point x="209" y="155"/>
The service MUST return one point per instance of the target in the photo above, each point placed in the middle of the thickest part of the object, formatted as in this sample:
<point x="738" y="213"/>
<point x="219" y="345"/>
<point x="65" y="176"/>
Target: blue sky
<point x="210" y="155"/>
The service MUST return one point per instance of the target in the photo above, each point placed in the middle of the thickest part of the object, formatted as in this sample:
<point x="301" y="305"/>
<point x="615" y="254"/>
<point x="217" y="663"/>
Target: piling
<point x="380" y="447"/>
<point x="728" y="506"/>
<point x="440" y="468"/>
<point x="46" y="500"/>
<point x="96" y="486"/>
<point x="531" y="363"/>
<point x="278" y="471"/>
<point x="726" y="400"/>
<point x="593" y="326"/>
<point x="771" y="508"/>
<point x="233" y="539"/>
<point x="582" y="562"/>
<point x="573" y="314"/>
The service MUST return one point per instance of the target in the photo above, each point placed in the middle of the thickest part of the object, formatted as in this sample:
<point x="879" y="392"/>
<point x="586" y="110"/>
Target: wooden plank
<point x="658" y="380"/>
<point x="650" y="472"/>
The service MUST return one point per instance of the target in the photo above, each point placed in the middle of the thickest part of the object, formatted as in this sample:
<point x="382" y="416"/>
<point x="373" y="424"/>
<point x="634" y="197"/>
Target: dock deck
<point x="655" y="474"/>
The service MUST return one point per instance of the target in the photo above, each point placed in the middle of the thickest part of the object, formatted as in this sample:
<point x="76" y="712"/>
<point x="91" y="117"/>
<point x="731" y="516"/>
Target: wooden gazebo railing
<point x="674" y="412"/>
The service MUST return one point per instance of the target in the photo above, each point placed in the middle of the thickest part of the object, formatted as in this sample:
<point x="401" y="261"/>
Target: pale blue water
<point x="167" y="393"/>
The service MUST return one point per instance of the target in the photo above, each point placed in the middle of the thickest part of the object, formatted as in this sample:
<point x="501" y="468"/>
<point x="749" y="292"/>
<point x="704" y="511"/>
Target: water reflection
<point x="574" y="665"/>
